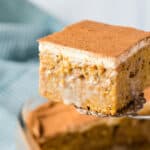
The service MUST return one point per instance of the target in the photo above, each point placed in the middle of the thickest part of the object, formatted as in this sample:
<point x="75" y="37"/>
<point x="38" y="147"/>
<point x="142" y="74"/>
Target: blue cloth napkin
<point x="21" y="24"/>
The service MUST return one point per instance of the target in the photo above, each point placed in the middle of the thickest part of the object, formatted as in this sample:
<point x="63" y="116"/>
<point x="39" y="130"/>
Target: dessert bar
<point x="95" y="66"/>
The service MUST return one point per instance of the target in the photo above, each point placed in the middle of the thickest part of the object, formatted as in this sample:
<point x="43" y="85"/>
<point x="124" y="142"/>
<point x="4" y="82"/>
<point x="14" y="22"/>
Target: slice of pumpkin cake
<point x="94" y="66"/>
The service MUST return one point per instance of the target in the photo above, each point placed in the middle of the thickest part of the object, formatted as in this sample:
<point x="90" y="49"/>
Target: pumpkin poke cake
<point x="95" y="66"/>
<point x="55" y="126"/>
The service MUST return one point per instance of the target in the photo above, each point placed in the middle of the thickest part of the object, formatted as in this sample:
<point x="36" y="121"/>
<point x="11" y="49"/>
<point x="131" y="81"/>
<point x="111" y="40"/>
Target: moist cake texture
<point x="56" y="126"/>
<point x="95" y="66"/>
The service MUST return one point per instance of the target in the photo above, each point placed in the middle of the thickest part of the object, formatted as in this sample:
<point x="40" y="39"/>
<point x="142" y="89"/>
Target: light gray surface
<point x="124" y="12"/>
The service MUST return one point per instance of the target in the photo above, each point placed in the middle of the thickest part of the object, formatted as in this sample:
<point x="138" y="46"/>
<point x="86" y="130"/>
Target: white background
<point x="124" y="12"/>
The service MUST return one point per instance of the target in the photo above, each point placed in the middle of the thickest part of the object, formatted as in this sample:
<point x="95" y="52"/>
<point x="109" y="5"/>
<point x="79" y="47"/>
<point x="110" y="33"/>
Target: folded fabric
<point x="21" y="24"/>
<point x="7" y="130"/>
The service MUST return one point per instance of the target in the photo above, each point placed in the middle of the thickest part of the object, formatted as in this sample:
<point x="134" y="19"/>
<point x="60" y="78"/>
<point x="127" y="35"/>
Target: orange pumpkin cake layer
<point x="95" y="66"/>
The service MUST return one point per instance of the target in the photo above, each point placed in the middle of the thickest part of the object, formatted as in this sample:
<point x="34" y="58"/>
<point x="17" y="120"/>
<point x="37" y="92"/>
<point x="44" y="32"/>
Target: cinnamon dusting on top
<point x="99" y="38"/>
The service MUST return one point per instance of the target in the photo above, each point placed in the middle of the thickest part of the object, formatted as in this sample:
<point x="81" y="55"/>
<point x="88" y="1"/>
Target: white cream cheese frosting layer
<point x="85" y="57"/>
